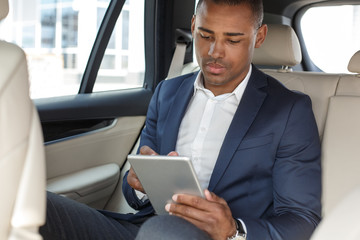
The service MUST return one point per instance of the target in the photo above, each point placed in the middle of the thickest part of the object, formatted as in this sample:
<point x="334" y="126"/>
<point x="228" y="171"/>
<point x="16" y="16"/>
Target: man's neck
<point x="227" y="87"/>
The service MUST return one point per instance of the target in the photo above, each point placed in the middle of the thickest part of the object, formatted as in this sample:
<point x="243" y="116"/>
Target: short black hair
<point x="255" y="5"/>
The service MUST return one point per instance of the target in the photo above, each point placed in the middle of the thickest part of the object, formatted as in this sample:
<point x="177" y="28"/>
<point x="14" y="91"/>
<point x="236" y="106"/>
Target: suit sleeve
<point x="148" y="138"/>
<point x="296" y="180"/>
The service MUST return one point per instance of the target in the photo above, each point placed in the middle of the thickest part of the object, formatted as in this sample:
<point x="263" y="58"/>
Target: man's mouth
<point x="215" y="68"/>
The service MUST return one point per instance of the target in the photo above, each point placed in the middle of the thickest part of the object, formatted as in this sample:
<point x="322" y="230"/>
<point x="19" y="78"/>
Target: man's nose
<point x="216" y="50"/>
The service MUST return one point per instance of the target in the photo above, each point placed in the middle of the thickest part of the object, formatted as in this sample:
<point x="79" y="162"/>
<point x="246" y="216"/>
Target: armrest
<point x="91" y="186"/>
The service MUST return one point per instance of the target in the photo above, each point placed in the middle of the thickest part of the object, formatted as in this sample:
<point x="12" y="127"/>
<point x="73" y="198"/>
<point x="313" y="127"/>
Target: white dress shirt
<point x="205" y="124"/>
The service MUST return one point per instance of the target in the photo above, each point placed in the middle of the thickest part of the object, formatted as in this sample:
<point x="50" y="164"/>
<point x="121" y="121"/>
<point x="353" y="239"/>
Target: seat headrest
<point x="4" y="9"/>
<point x="354" y="63"/>
<point x="281" y="47"/>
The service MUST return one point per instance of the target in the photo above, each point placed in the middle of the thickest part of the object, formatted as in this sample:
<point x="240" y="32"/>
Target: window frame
<point x="100" y="44"/>
<point x="307" y="63"/>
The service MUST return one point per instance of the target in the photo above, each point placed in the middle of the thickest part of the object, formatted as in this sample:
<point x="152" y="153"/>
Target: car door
<point x="89" y="134"/>
<point x="93" y="68"/>
<point x="87" y="72"/>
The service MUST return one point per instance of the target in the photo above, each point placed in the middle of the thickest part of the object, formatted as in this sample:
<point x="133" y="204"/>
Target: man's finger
<point x="212" y="197"/>
<point x="146" y="150"/>
<point x="185" y="211"/>
<point x="173" y="153"/>
<point x="191" y="200"/>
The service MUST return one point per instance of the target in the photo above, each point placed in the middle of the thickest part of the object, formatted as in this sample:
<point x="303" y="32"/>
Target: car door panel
<point x="111" y="144"/>
<point x="91" y="186"/>
<point x="88" y="137"/>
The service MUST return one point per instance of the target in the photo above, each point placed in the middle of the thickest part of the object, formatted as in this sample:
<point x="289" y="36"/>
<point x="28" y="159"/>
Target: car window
<point x="331" y="35"/>
<point x="123" y="65"/>
<point x="58" y="35"/>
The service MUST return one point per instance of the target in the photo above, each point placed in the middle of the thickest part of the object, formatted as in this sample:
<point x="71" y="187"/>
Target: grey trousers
<point x="68" y="219"/>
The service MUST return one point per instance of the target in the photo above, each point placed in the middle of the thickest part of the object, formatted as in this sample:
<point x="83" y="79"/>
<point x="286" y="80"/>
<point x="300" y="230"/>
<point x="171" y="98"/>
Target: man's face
<point x="225" y="37"/>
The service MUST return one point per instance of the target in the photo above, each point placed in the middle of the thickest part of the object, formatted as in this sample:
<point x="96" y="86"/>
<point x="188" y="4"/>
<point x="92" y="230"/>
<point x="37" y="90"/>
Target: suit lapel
<point x="176" y="114"/>
<point x="245" y="114"/>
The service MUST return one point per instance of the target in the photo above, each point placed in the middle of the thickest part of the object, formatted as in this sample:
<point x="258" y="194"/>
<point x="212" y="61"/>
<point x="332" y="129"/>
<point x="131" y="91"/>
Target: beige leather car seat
<point x="343" y="221"/>
<point x="341" y="181"/>
<point x="22" y="163"/>
<point x="341" y="162"/>
<point x="280" y="48"/>
<point x="354" y="63"/>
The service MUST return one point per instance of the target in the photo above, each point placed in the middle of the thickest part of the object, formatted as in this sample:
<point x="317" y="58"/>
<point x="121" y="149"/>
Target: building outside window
<point x="58" y="35"/>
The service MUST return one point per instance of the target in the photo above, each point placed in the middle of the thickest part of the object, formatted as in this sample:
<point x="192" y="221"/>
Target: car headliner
<point x="288" y="8"/>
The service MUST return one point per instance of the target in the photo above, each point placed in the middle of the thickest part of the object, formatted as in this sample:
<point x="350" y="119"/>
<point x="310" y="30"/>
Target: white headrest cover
<point x="354" y="64"/>
<point x="281" y="47"/>
<point x="4" y="9"/>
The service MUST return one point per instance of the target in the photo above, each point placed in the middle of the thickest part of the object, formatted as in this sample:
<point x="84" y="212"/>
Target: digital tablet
<point x="163" y="176"/>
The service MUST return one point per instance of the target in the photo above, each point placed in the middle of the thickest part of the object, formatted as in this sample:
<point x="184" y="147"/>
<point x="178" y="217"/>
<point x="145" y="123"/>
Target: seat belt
<point x="183" y="40"/>
<point x="177" y="61"/>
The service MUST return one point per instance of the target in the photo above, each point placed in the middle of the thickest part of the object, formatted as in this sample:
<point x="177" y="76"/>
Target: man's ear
<point x="261" y="35"/>
<point x="193" y="25"/>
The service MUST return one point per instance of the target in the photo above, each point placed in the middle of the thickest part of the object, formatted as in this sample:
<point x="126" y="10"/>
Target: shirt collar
<point x="238" y="91"/>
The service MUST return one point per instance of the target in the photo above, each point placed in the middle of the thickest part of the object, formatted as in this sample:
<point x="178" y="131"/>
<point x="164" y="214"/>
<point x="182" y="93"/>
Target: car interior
<point x="22" y="155"/>
<point x="76" y="145"/>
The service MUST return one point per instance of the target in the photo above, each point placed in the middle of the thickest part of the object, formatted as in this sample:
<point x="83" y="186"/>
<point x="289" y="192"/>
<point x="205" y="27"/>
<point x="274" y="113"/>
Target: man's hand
<point x="132" y="179"/>
<point x="211" y="214"/>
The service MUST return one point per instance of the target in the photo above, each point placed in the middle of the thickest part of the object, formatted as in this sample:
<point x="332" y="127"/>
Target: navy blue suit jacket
<point x="268" y="169"/>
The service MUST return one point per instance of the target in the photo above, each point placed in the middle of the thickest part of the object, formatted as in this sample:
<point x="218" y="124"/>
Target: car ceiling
<point x="288" y="8"/>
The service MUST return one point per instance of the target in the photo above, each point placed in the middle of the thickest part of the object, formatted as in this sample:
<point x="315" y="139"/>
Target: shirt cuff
<point x="141" y="196"/>
<point x="243" y="225"/>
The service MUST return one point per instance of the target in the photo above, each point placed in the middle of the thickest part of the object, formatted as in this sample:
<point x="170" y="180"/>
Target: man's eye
<point x="203" y="36"/>
<point x="234" y="41"/>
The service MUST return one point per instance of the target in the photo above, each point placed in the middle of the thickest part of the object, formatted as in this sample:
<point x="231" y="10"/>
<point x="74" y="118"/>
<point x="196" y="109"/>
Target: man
<point x="265" y="162"/>
<point x="254" y="144"/>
